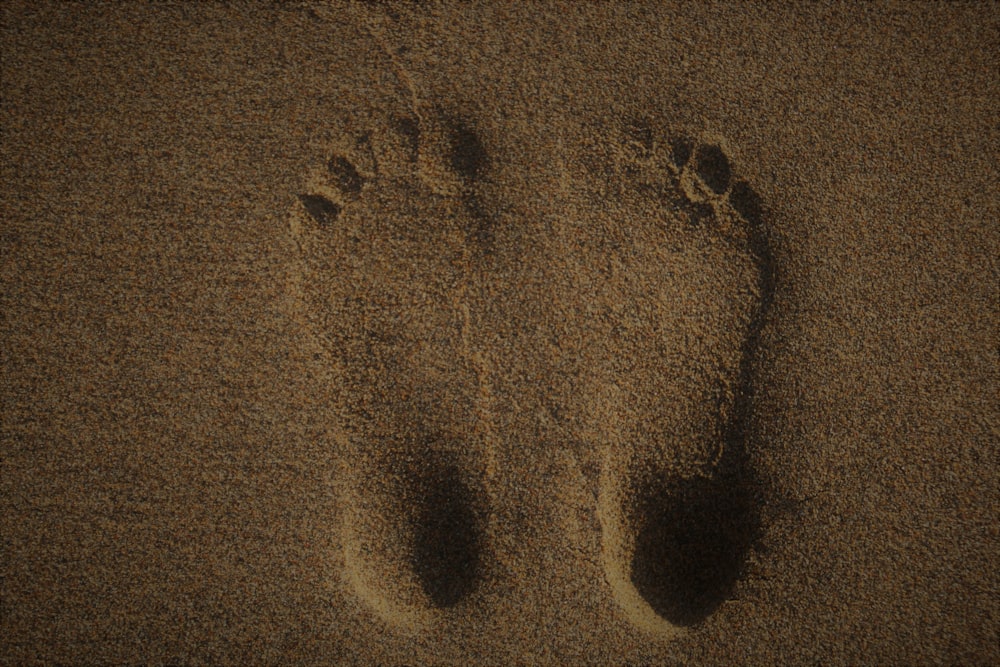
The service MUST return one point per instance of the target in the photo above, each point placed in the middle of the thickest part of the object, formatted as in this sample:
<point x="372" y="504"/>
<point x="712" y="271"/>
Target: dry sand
<point x="390" y="334"/>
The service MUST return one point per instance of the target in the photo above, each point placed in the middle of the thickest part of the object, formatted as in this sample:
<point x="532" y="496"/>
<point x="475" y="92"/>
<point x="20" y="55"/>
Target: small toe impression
<point x="345" y="176"/>
<point x="320" y="209"/>
<point x="446" y="553"/>
<point x="468" y="156"/>
<point x="746" y="202"/>
<point x="341" y="185"/>
<point x="408" y="130"/>
<point x="700" y="213"/>
<point x="680" y="150"/>
<point x="712" y="167"/>
<point x="639" y="136"/>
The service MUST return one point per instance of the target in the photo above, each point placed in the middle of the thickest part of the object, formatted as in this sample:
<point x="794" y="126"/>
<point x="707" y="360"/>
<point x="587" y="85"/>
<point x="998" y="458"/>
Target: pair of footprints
<point x="613" y="318"/>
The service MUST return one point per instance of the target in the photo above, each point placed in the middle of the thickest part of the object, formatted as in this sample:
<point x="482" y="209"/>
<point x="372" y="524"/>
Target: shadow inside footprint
<point x="345" y="175"/>
<point x="322" y="210"/>
<point x="691" y="543"/>
<point x="712" y="166"/>
<point x="469" y="160"/>
<point x="446" y="553"/>
<point x="468" y="155"/>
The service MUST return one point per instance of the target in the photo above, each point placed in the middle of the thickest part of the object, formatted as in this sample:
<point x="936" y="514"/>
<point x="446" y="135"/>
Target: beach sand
<point x="612" y="334"/>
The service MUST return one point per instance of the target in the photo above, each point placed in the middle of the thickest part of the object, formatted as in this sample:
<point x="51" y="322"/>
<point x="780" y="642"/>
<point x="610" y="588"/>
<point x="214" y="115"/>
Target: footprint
<point x="688" y="284"/>
<point x="389" y="231"/>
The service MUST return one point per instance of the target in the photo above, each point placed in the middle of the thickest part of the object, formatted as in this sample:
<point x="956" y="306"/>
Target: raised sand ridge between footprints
<point x="431" y="308"/>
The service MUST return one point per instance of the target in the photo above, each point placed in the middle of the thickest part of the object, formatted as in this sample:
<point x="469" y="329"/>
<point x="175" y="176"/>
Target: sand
<point x="388" y="334"/>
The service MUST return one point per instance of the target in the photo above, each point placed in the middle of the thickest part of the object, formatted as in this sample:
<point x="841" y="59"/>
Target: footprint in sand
<point x="689" y="282"/>
<point x="616" y="319"/>
<point x="388" y="233"/>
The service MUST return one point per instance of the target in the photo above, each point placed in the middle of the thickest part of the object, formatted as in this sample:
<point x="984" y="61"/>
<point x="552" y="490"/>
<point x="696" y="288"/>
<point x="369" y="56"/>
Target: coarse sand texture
<point x="488" y="333"/>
